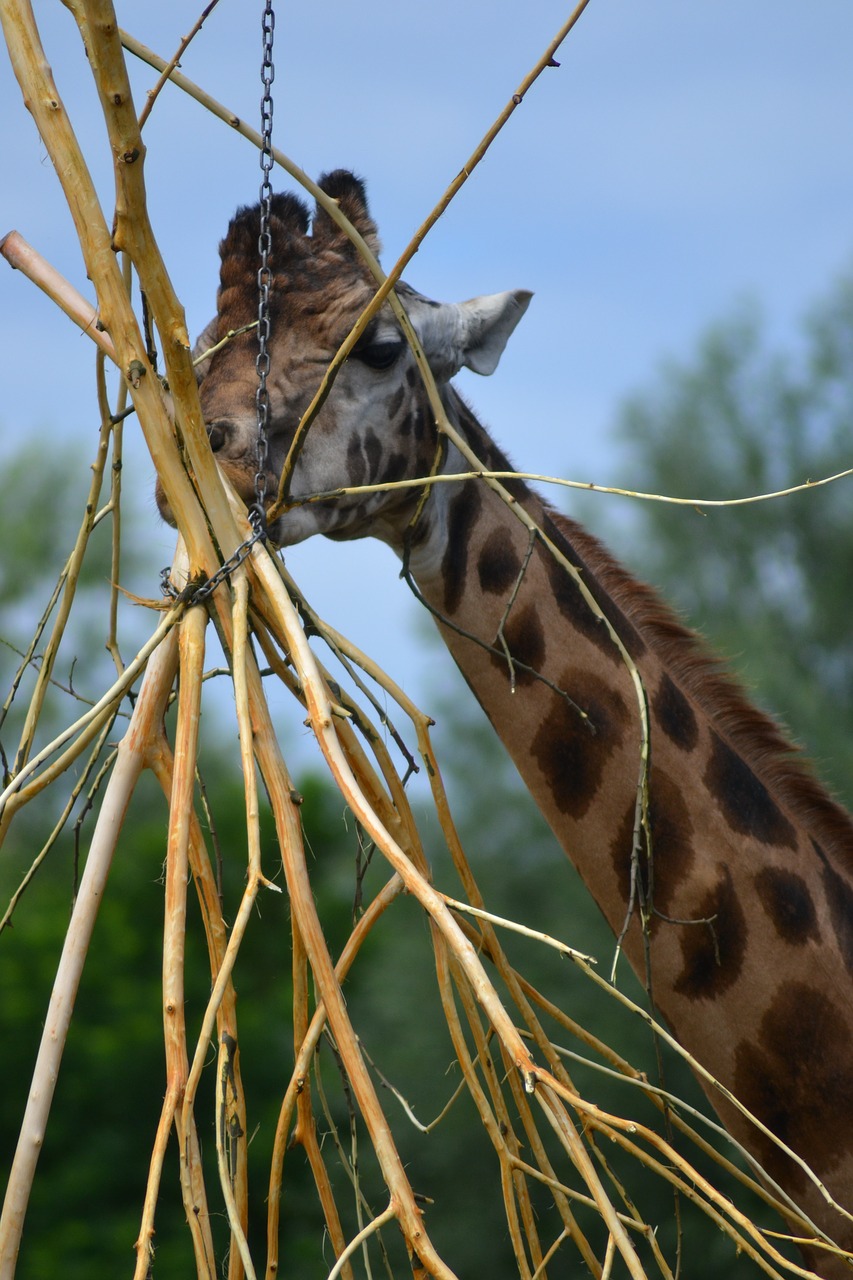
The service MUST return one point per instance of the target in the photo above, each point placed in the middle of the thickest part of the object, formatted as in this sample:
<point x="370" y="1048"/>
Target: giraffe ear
<point x="485" y="325"/>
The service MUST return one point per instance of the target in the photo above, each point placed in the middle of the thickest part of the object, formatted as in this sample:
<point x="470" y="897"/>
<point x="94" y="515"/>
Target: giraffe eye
<point x="380" y="354"/>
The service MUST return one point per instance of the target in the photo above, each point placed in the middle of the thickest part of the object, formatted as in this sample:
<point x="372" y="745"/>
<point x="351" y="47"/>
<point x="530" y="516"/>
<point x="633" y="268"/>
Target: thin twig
<point x="587" y="486"/>
<point x="363" y="1236"/>
<point x="174" y="62"/>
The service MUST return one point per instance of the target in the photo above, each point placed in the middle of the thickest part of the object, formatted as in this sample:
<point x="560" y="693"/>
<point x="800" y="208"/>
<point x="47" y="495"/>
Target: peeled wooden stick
<point x="222" y="1002"/>
<point x="132" y="752"/>
<point x="24" y="258"/>
<point x="191" y="644"/>
<point x="44" y="101"/>
<point x="134" y="234"/>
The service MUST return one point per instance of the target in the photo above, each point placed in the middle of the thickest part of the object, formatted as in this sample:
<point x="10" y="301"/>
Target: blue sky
<point x="682" y="157"/>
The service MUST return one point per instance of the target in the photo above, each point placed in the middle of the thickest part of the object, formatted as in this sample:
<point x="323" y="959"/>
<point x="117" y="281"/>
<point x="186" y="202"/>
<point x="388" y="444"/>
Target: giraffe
<point x="739" y="832"/>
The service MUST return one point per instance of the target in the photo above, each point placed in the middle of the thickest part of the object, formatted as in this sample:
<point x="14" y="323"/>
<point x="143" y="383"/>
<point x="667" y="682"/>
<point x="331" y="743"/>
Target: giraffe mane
<point x="774" y="758"/>
<point x="755" y="735"/>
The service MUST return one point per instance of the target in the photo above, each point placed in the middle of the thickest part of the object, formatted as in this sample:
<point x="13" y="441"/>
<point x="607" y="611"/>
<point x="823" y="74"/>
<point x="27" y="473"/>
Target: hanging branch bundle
<point x="545" y="1133"/>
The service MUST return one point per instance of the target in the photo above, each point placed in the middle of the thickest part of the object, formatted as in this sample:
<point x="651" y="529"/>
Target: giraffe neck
<point x="745" y="872"/>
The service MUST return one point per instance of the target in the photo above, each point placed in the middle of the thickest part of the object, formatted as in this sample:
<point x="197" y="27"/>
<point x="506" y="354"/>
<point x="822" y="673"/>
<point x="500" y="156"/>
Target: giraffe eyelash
<point x="380" y="355"/>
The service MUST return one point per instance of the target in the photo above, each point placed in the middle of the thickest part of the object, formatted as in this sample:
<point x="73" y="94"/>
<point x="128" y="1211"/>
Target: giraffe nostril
<point x="216" y="434"/>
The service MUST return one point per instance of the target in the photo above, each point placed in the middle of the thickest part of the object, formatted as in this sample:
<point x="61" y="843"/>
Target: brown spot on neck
<point x="796" y="1075"/>
<point x="580" y="617"/>
<point x="674" y="714"/>
<point x="786" y="899"/>
<point x="839" y="897"/>
<point x="525" y="639"/>
<point x="462" y="516"/>
<point x="498" y="564"/>
<point x="713" y="943"/>
<point x="672" y="852"/>
<point x="572" y="752"/>
<point x="746" y="803"/>
<point x="665" y="868"/>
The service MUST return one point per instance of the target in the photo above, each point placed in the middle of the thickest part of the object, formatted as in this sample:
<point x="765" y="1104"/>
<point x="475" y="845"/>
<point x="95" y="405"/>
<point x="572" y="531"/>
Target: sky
<point x="683" y="157"/>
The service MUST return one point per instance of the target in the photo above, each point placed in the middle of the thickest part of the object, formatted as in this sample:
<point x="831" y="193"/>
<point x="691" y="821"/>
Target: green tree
<point x="767" y="583"/>
<point x="38" y="535"/>
<point x="87" y="1197"/>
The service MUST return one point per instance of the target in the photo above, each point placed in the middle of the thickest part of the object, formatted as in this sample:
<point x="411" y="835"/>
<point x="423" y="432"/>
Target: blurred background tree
<point x="767" y="583"/>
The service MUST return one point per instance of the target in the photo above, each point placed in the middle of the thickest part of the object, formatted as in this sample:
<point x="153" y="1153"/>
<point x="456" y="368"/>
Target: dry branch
<point x="132" y="753"/>
<point x="543" y="1131"/>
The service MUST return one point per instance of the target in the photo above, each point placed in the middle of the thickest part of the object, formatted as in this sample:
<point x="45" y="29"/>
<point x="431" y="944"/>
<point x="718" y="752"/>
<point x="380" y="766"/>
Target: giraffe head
<point x="376" y="424"/>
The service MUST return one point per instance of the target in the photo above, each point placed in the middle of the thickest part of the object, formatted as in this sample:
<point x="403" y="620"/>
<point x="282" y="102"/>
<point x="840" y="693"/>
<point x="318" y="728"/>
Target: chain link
<point x="197" y="592"/>
<point x="262" y="363"/>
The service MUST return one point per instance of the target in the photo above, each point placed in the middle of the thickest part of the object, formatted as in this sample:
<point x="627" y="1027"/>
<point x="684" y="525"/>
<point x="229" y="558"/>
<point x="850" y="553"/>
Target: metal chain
<point x="198" y="592"/>
<point x="262" y="363"/>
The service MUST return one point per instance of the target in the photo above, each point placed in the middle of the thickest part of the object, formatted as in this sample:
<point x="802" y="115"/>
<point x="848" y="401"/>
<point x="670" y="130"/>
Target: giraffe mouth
<point x="240" y="474"/>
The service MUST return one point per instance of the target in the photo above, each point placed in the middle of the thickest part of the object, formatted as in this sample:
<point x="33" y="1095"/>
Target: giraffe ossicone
<point x="738" y="832"/>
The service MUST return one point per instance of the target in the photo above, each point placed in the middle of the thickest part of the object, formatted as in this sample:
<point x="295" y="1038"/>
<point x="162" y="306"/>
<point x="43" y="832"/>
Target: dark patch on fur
<point x="422" y="420"/>
<point x="575" y="610"/>
<point x="713" y="953"/>
<point x="373" y="450"/>
<point x="796" y="1075"/>
<point x="675" y="715"/>
<point x="786" y="899"/>
<point x="464" y="510"/>
<point x="672" y="848"/>
<point x="395" y="467"/>
<point x="673" y="854"/>
<point x="621" y="848"/>
<point x="395" y="402"/>
<point x="839" y="897"/>
<point x="487" y="451"/>
<point x="573" y="754"/>
<point x="525" y="640"/>
<point x="356" y="467"/>
<point x="498" y="563"/>
<point x="747" y="805"/>
<point x="580" y="616"/>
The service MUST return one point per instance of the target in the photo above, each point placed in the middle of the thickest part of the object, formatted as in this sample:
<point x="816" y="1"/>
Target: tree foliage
<point x="38" y="537"/>
<point x="768" y="583"/>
